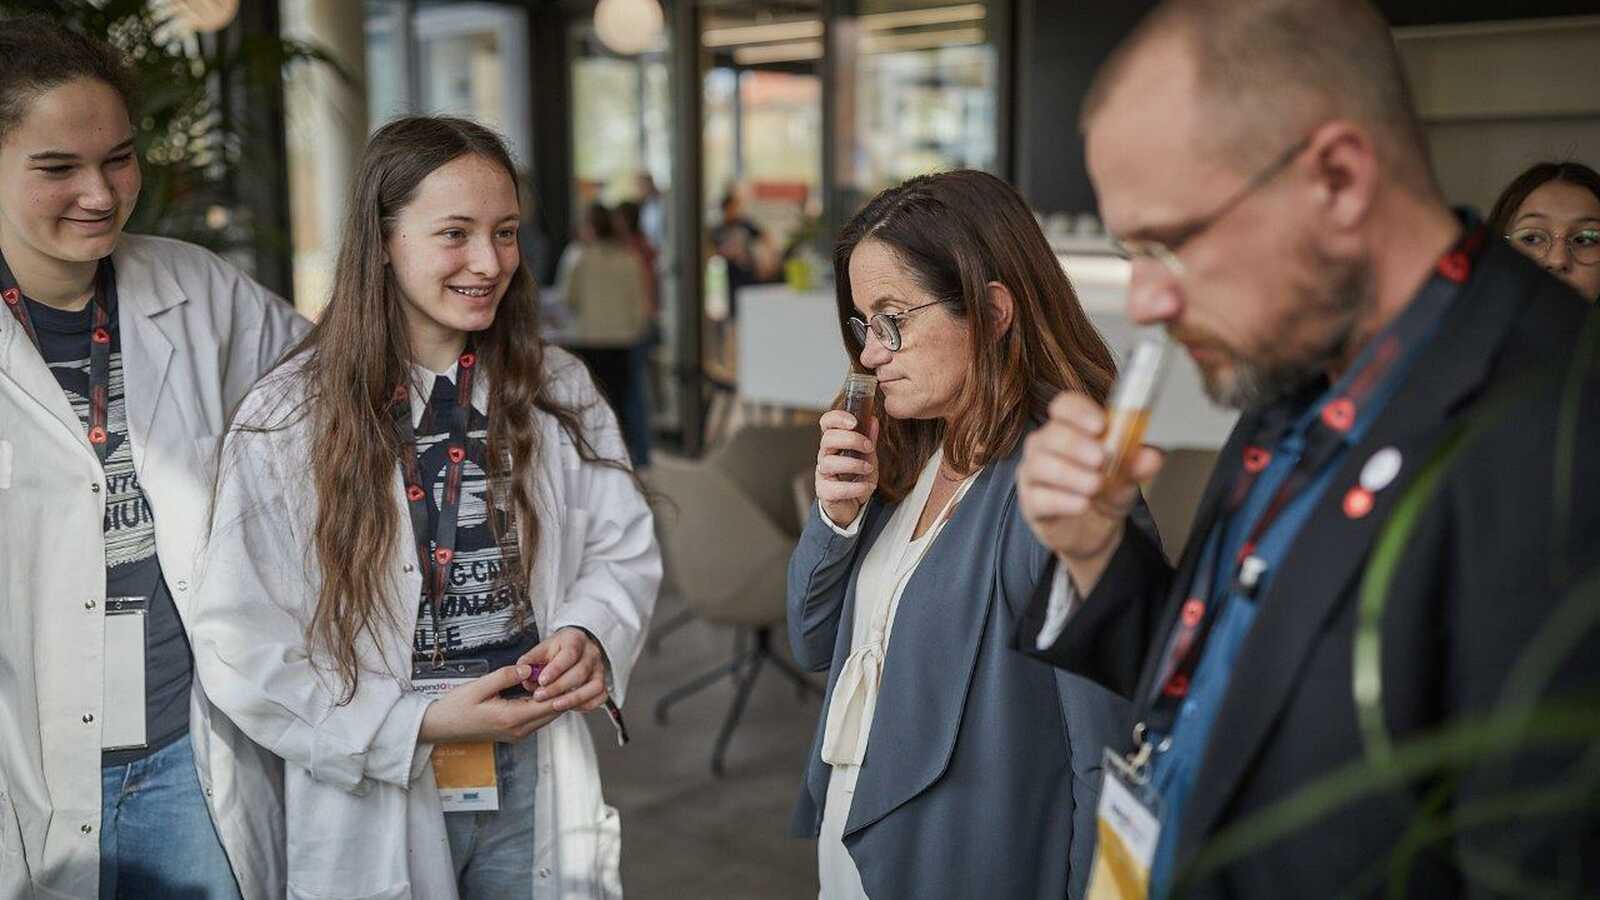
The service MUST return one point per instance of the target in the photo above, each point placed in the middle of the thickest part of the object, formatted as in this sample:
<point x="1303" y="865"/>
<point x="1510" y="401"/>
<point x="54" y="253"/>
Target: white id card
<point x="1128" y="829"/>
<point x="122" y="725"/>
<point x="464" y="772"/>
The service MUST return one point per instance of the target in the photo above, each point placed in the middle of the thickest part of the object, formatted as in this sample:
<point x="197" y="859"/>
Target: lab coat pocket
<point x="608" y="855"/>
<point x="6" y="454"/>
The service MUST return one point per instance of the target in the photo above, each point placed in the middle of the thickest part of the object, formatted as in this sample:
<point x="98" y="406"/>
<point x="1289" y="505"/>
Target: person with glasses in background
<point x="1396" y="543"/>
<point x="1551" y="213"/>
<point x="944" y="764"/>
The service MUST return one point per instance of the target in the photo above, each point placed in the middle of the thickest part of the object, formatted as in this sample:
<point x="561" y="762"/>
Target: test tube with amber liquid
<point x="1128" y="415"/>
<point x="859" y="398"/>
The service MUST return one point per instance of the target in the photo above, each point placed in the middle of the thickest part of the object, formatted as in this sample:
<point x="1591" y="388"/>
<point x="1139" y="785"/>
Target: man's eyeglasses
<point x="1583" y="245"/>
<point x="1166" y="252"/>
<point x="885" y="326"/>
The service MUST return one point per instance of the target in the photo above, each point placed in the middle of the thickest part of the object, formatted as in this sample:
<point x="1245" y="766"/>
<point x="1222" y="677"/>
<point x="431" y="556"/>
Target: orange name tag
<point x="466" y="777"/>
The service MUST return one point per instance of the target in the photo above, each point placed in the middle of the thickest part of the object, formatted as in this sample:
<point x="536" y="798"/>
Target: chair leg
<point x="746" y="682"/>
<point x="658" y="633"/>
<point x="803" y="685"/>
<point x="699" y="683"/>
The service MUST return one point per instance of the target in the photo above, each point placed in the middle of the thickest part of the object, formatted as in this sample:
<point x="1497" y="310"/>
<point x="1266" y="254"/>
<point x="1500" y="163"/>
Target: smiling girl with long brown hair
<point x="424" y="510"/>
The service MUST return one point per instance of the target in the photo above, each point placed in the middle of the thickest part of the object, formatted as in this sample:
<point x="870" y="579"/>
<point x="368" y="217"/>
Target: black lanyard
<point x="105" y="289"/>
<point x="435" y="559"/>
<point x="1328" y="434"/>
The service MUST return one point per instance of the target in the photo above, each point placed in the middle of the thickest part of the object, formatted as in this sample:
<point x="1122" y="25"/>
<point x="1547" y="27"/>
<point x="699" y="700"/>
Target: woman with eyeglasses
<point x="1551" y="212"/>
<point x="945" y="764"/>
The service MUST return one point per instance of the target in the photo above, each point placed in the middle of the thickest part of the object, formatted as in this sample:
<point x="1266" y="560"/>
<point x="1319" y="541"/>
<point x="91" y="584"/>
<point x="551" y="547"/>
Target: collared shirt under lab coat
<point x="363" y="812"/>
<point x="196" y="334"/>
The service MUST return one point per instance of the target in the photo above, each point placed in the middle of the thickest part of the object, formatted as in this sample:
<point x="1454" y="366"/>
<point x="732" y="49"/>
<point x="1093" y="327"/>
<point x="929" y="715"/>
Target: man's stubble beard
<point x="1338" y="309"/>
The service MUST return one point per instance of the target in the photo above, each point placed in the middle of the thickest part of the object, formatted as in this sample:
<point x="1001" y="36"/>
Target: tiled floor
<point x="686" y="834"/>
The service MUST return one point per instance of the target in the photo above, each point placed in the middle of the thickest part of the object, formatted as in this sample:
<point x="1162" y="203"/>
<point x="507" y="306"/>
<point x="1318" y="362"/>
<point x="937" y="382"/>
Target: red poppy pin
<point x="12" y="296"/>
<point x="1456" y="266"/>
<point x="1339" y="414"/>
<point x="413" y="493"/>
<point x="1357" y="502"/>
<point x="468" y="360"/>
<point x="443" y="555"/>
<point x="1256" y="459"/>
<point x="457" y="454"/>
<point x="1193" y="610"/>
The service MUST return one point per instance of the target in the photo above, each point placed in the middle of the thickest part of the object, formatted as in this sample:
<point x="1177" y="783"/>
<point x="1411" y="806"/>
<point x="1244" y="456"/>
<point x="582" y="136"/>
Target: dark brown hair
<point x="956" y="232"/>
<point x="600" y="222"/>
<point x="356" y="355"/>
<point x="41" y="54"/>
<point x="1535" y="177"/>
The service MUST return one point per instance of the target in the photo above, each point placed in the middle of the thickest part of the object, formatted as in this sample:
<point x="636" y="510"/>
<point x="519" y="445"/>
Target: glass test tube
<point x="1132" y="398"/>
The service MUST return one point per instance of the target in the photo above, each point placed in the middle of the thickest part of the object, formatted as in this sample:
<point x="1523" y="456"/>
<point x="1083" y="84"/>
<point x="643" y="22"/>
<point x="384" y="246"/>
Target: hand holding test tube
<point x="1080" y="471"/>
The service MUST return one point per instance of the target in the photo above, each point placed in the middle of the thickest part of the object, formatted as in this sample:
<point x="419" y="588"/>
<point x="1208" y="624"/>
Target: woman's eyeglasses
<point x="885" y="326"/>
<point x="1583" y="245"/>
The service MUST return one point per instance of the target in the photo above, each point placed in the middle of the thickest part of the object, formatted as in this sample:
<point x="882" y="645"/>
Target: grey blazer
<point x="982" y="769"/>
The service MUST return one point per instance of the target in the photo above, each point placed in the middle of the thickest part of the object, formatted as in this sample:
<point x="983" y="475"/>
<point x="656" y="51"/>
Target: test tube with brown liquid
<point x="1128" y="414"/>
<point x="859" y="398"/>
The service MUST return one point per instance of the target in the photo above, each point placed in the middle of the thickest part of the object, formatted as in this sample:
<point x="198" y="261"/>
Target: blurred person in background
<point x="121" y="358"/>
<point x="1551" y="212"/>
<point x="751" y="256"/>
<point x="652" y="211"/>
<point x="609" y="296"/>
<point x="1401" y="523"/>
<point x="945" y="765"/>
<point x="637" y="417"/>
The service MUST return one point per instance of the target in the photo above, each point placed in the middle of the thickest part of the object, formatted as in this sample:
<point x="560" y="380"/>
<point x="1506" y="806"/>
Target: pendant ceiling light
<point x="628" y="27"/>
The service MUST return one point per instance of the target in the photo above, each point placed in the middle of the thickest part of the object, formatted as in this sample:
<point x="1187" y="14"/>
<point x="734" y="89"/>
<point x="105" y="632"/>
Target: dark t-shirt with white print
<point x="132" y="569"/>
<point x="477" y="614"/>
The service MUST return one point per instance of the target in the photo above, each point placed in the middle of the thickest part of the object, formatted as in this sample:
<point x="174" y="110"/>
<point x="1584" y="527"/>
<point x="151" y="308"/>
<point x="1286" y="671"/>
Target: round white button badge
<point x="1381" y="469"/>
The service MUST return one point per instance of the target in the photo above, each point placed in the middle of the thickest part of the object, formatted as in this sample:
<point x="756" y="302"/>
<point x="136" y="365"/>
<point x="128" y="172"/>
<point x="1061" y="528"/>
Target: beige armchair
<point x="727" y="526"/>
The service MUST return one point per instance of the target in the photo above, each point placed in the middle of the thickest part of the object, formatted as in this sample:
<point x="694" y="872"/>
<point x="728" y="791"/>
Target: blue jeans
<point x="493" y="851"/>
<point x="156" y="836"/>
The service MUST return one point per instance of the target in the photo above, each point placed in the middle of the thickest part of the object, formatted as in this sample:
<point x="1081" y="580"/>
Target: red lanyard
<point x="99" y="344"/>
<point x="435" y="560"/>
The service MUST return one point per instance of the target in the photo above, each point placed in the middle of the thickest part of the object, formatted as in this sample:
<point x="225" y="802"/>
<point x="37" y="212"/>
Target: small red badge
<point x="413" y="493"/>
<point x="1357" y="503"/>
<point x="1340" y="414"/>
<point x="1177" y="686"/>
<point x="1256" y="460"/>
<point x="457" y="454"/>
<point x="1456" y="266"/>
<point x="1193" y="610"/>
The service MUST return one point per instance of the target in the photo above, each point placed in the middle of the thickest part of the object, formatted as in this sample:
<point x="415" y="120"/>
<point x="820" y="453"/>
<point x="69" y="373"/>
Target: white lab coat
<point x="196" y="334"/>
<point x="364" y="814"/>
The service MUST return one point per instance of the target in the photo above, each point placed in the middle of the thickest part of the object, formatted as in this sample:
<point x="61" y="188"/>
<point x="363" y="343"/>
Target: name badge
<point x="1128" y="828"/>
<point x="122" y="724"/>
<point x="465" y="772"/>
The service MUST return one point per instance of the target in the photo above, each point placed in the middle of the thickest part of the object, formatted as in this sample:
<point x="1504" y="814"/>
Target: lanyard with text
<point x="434" y="560"/>
<point x="105" y="287"/>
<point x="1328" y="434"/>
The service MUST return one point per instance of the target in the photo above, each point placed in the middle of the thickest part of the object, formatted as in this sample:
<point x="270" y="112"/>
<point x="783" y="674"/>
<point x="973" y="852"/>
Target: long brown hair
<point x="357" y="354"/>
<point x="956" y="232"/>
<point x="1535" y="177"/>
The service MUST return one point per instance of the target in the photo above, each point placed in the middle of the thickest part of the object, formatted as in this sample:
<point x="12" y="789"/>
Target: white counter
<point x="791" y="352"/>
